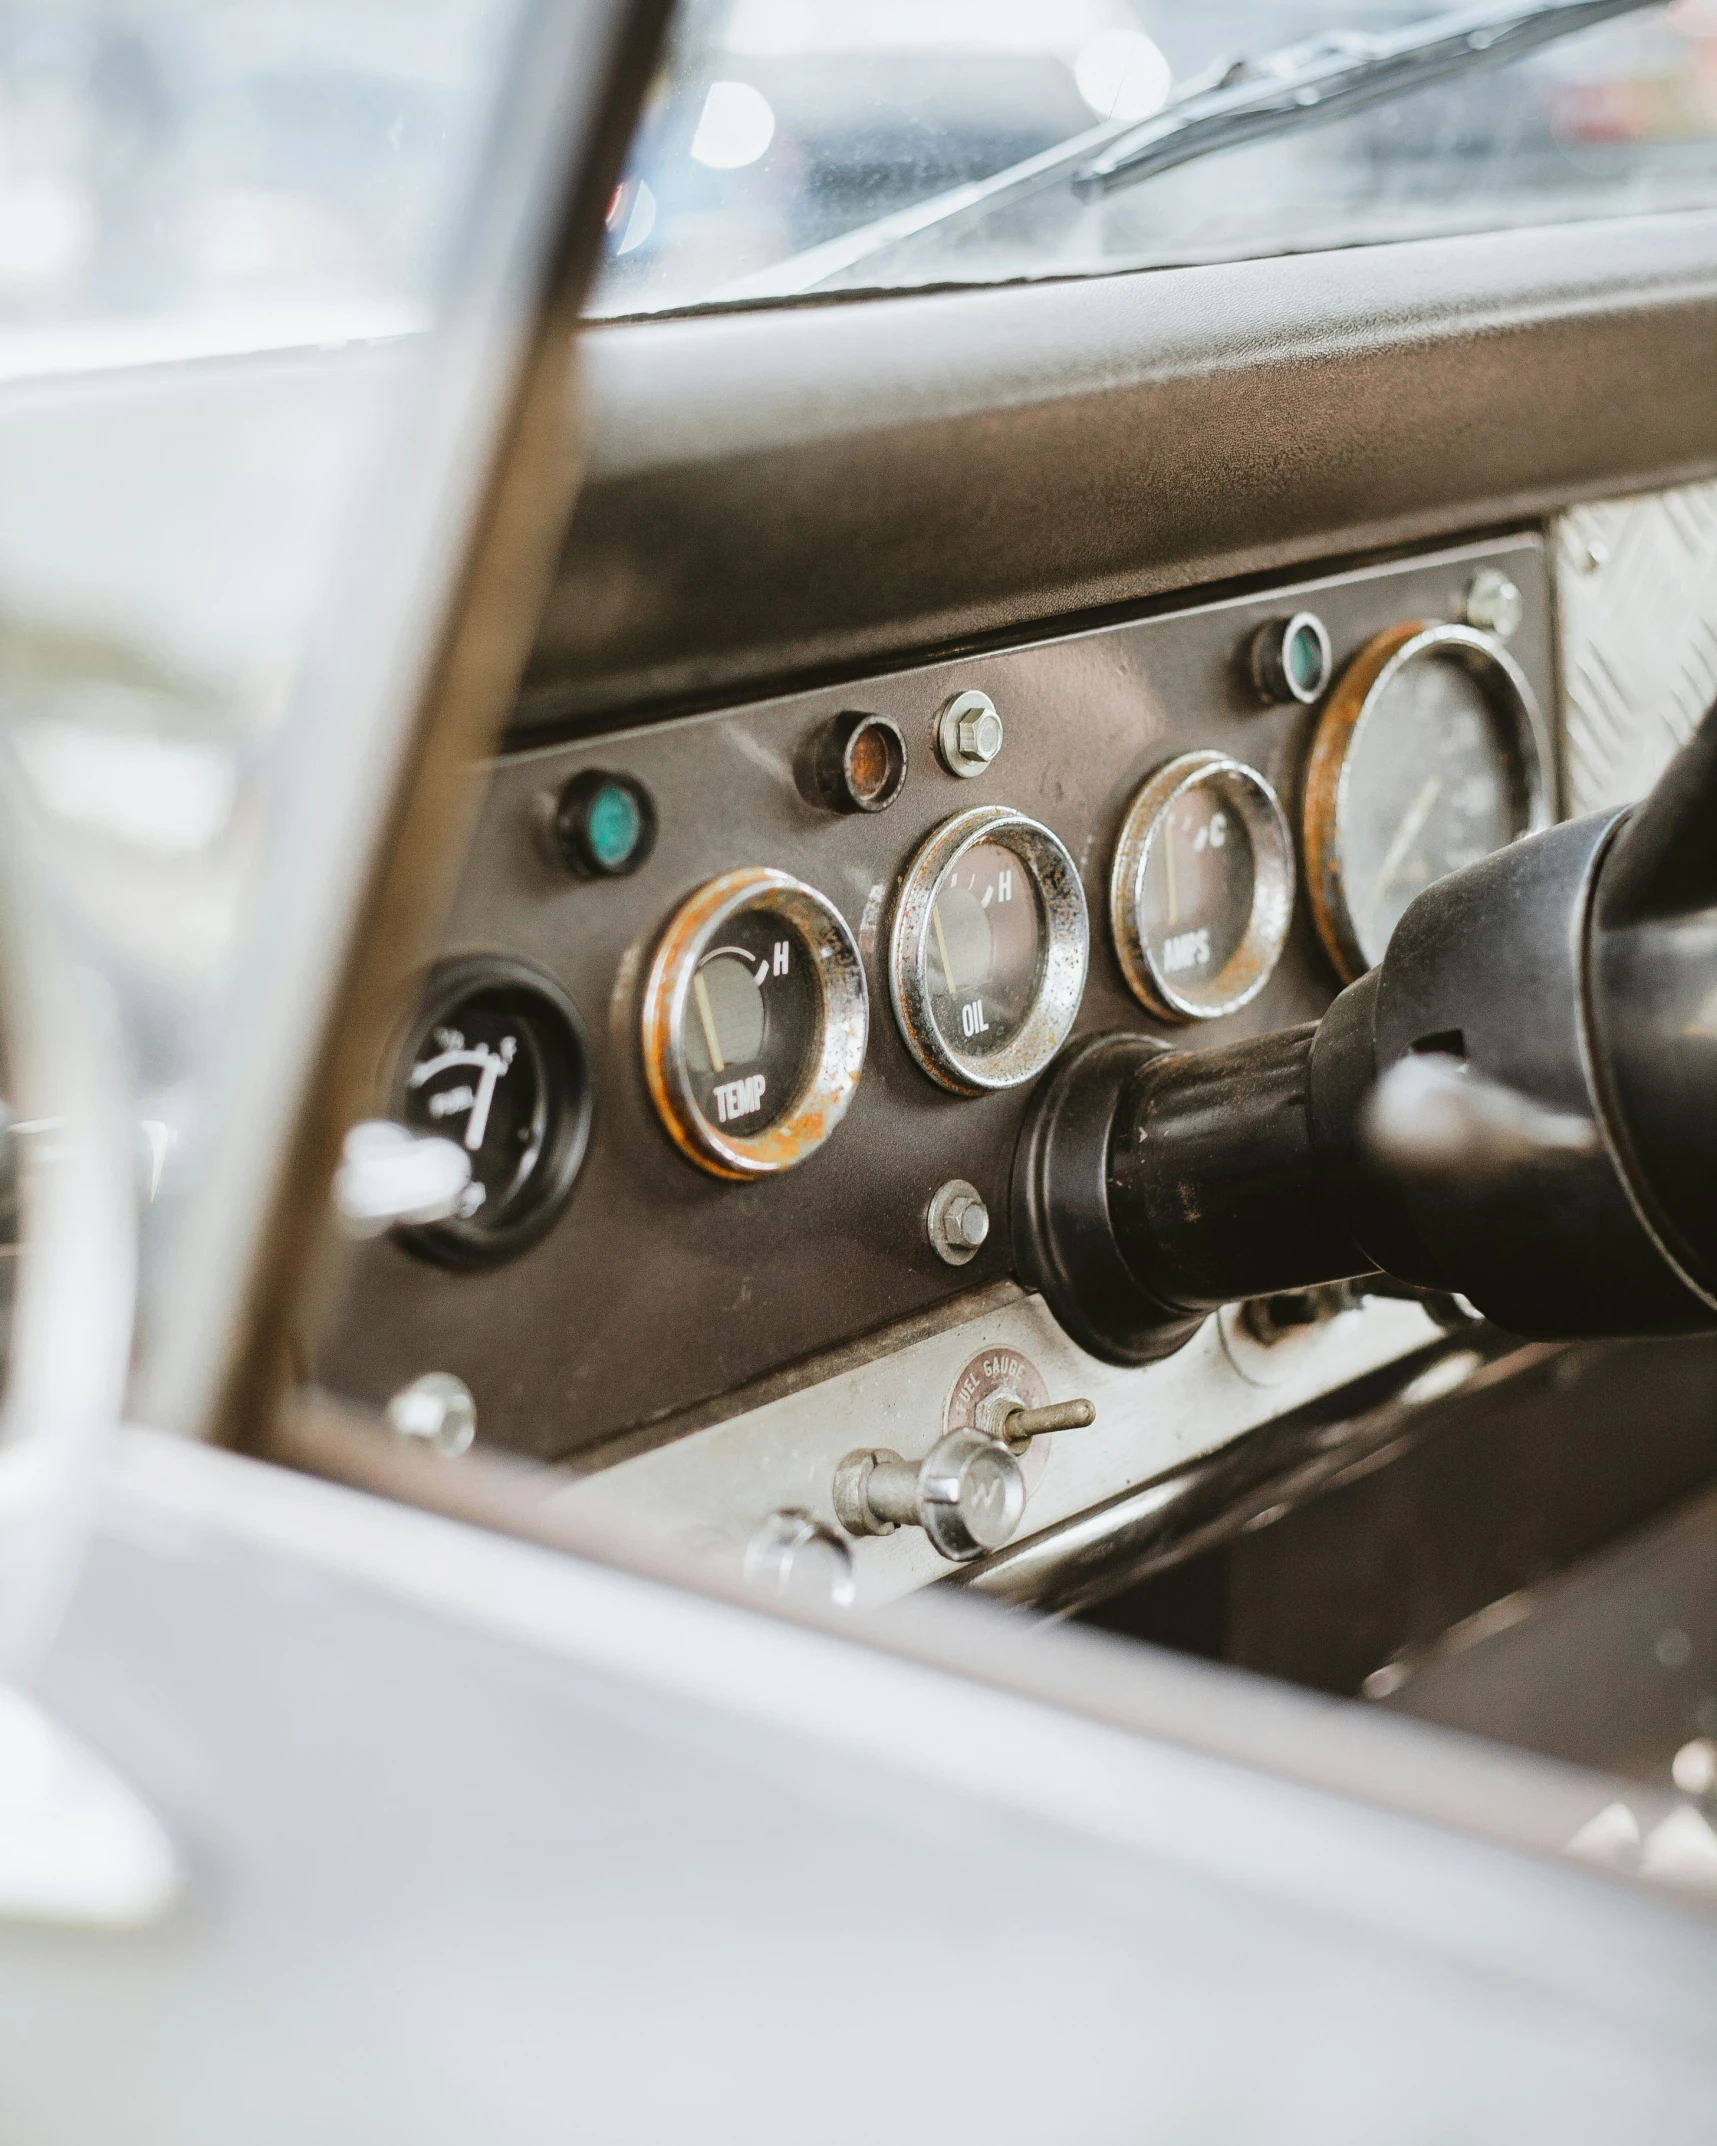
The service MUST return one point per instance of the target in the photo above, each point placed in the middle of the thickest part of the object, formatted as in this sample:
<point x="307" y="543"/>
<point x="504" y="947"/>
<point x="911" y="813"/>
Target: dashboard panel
<point x="672" y="1272"/>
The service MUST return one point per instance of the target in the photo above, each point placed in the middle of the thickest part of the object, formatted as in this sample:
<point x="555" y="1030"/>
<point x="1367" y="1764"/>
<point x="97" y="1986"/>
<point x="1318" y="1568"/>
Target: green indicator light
<point x="612" y="825"/>
<point x="1305" y="659"/>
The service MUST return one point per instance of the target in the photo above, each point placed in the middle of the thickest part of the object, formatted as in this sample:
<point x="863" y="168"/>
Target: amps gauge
<point x="1202" y="890"/>
<point x="755" y="1022"/>
<point x="987" y="950"/>
<point x="1430" y="754"/>
<point x="497" y="1061"/>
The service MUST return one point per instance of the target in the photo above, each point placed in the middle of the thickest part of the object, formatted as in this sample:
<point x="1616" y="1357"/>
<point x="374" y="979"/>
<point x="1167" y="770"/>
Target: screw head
<point x="969" y="734"/>
<point x="1494" y="604"/>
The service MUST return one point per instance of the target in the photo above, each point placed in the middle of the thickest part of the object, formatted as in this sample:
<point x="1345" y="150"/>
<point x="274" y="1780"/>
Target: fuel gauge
<point x="755" y="1022"/>
<point x="1202" y="890"/>
<point x="496" y="1062"/>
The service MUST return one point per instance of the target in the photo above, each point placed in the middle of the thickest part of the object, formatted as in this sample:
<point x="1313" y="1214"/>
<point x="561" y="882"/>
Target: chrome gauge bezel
<point x="1249" y="968"/>
<point x="1357" y="696"/>
<point x="843" y="1016"/>
<point x="1061" y="976"/>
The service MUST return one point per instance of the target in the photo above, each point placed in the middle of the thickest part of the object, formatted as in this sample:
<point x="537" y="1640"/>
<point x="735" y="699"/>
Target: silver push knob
<point x="967" y="1494"/>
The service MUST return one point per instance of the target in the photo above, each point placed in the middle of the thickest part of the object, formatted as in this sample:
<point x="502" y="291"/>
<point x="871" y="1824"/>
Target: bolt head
<point x="1494" y="604"/>
<point x="969" y="1224"/>
<point x="969" y="733"/>
<point x="981" y="735"/>
<point x="436" y="1411"/>
<point x="959" y="1222"/>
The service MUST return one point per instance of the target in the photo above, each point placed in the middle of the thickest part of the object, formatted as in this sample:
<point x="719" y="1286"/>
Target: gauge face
<point x="756" y="1018"/>
<point x="1428" y="757"/>
<point x="1431" y="786"/>
<point x="755" y="1023"/>
<point x="1202" y="892"/>
<point x="987" y="950"/>
<point x="497" y="1064"/>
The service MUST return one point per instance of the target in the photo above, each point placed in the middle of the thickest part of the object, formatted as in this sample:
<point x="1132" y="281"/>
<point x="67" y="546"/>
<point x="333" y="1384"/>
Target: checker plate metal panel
<point x="1636" y="585"/>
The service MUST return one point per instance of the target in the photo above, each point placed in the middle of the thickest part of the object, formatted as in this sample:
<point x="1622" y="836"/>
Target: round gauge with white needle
<point x="987" y="950"/>
<point x="1430" y="754"/>
<point x="755" y="1023"/>
<point x="1202" y="890"/>
<point x="497" y="1062"/>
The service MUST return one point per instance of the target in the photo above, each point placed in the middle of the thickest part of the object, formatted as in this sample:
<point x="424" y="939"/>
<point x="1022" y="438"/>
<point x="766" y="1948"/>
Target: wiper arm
<point x="1328" y="77"/>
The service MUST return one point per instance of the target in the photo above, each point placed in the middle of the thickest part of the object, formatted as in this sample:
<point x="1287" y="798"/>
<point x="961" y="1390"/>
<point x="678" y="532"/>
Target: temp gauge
<point x="1202" y="890"/>
<point x="497" y="1062"/>
<point x="987" y="950"/>
<point x="755" y="1022"/>
<point x="1430" y="754"/>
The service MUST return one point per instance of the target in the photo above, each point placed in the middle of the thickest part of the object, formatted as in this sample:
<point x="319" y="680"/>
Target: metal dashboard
<point x="663" y="1300"/>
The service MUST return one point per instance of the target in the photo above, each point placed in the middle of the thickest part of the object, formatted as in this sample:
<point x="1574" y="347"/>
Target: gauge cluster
<point x="738" y="1011"/>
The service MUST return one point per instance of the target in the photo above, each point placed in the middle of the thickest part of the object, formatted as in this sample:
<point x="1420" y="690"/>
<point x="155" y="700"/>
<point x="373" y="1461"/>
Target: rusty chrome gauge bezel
<point x="1355" y="701"/>
<point x="1060" y="982"/>
<point x="843" y="1024"/>
<point x="1249" y="968"/>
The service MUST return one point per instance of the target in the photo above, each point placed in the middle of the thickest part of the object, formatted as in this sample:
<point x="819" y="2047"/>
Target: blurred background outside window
<point x="780" y="126"/>
<point x="230" y="231"/>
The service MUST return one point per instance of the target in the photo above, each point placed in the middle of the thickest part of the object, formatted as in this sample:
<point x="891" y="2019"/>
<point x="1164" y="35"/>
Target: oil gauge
<point x="1202" y="890"/>
<point x="1430" y="754"/>
<point x="987" y="950"/>
<point x="755" y="1021"/>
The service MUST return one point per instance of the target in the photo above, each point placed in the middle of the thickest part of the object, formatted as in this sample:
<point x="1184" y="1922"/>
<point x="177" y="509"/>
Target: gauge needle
<point x="495" y="1063"/>
<point x="1412" y="825"/>
<point x="942" y="949"/>
<point x="1168" y="865"/>
<point x="706" y="1014"/>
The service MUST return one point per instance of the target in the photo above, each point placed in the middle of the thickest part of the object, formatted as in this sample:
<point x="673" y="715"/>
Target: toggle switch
<point x="1003" y="1417"/>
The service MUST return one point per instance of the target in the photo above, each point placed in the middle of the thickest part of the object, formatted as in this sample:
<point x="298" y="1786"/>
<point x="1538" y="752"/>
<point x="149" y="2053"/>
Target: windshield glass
<point x="795" y="146"/>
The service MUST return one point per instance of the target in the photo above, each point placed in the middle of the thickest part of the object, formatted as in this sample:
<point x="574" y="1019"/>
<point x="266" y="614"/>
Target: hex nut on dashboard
<point x="958" y="1221"/>
<point x="968" y="734"/>
<point x="1494" y="604"/>
<point x="852" y="1481"/>
<point x="437" y="1411"/>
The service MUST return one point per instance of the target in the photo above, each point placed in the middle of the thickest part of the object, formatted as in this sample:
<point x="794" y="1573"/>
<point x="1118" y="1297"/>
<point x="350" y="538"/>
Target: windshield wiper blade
<point x="1329" y="77"/>
<point x="1299" y="86"/>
